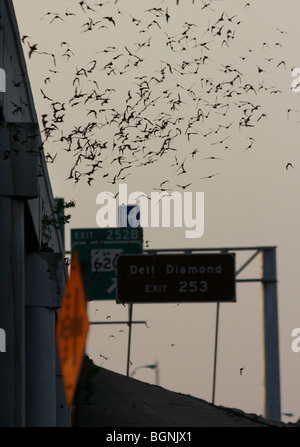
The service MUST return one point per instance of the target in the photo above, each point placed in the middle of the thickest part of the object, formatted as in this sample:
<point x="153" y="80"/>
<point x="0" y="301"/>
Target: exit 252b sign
<point x="98" y="249"/>
<point x="176" y="278"/>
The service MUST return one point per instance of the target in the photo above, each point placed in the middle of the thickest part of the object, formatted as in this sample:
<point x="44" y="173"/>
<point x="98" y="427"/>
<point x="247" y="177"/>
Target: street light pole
<point x="157" y="374"/>
<point x="151" y="366"/>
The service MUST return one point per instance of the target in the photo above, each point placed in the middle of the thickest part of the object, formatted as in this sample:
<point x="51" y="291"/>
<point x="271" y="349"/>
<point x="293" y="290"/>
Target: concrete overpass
<point x="32" y="272"/>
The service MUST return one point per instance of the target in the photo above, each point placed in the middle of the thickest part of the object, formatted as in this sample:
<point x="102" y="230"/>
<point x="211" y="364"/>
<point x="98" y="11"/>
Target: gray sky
<point x="253" y="201"/>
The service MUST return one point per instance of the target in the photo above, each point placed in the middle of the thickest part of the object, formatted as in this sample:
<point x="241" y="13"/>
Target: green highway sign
<point x="98" y="251"/>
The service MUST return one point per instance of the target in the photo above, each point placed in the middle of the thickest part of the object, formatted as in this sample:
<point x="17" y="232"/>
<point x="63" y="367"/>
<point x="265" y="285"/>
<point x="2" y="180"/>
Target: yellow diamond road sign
<point x="72" y="329"/>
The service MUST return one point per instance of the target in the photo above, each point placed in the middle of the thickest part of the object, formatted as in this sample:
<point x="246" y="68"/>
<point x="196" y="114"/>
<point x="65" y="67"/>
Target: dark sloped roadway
<point x="114" y="400"/>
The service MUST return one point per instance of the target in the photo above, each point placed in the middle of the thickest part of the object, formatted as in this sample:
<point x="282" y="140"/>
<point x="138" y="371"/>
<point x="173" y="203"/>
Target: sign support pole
<point x="215" y="356"/>
<point x="271" y="368"/>
<point x="129" y="337"/>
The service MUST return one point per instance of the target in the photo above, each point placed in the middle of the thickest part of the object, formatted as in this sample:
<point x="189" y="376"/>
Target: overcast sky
<point x="229" y="60"/>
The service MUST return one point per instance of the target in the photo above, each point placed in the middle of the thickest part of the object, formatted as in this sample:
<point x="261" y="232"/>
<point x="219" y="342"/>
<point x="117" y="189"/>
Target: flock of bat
<point x="184" y="108"/>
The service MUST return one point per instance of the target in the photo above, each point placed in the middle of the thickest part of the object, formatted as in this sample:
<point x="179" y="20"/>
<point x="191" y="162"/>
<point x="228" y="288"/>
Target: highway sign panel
<point x="176" y="278"/>
<point x="99" y="250"/>
<point x="72" y="328"/>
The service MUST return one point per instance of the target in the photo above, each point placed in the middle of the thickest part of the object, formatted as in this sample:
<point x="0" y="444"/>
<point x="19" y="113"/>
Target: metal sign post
<point x="99" y="249"/>
<point x="271" y="391"/>
<point x="215" y="353"/>
<point x="129" y="337"/>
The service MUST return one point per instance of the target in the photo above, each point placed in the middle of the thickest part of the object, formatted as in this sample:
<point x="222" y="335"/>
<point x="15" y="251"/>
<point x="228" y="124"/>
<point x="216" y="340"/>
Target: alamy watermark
<point x="296" y="342"/>
<point x="2" y="340"/>
<point x="296" y="82"/>
<point x="153" y="211"/>
<point x="2" y="81"/>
